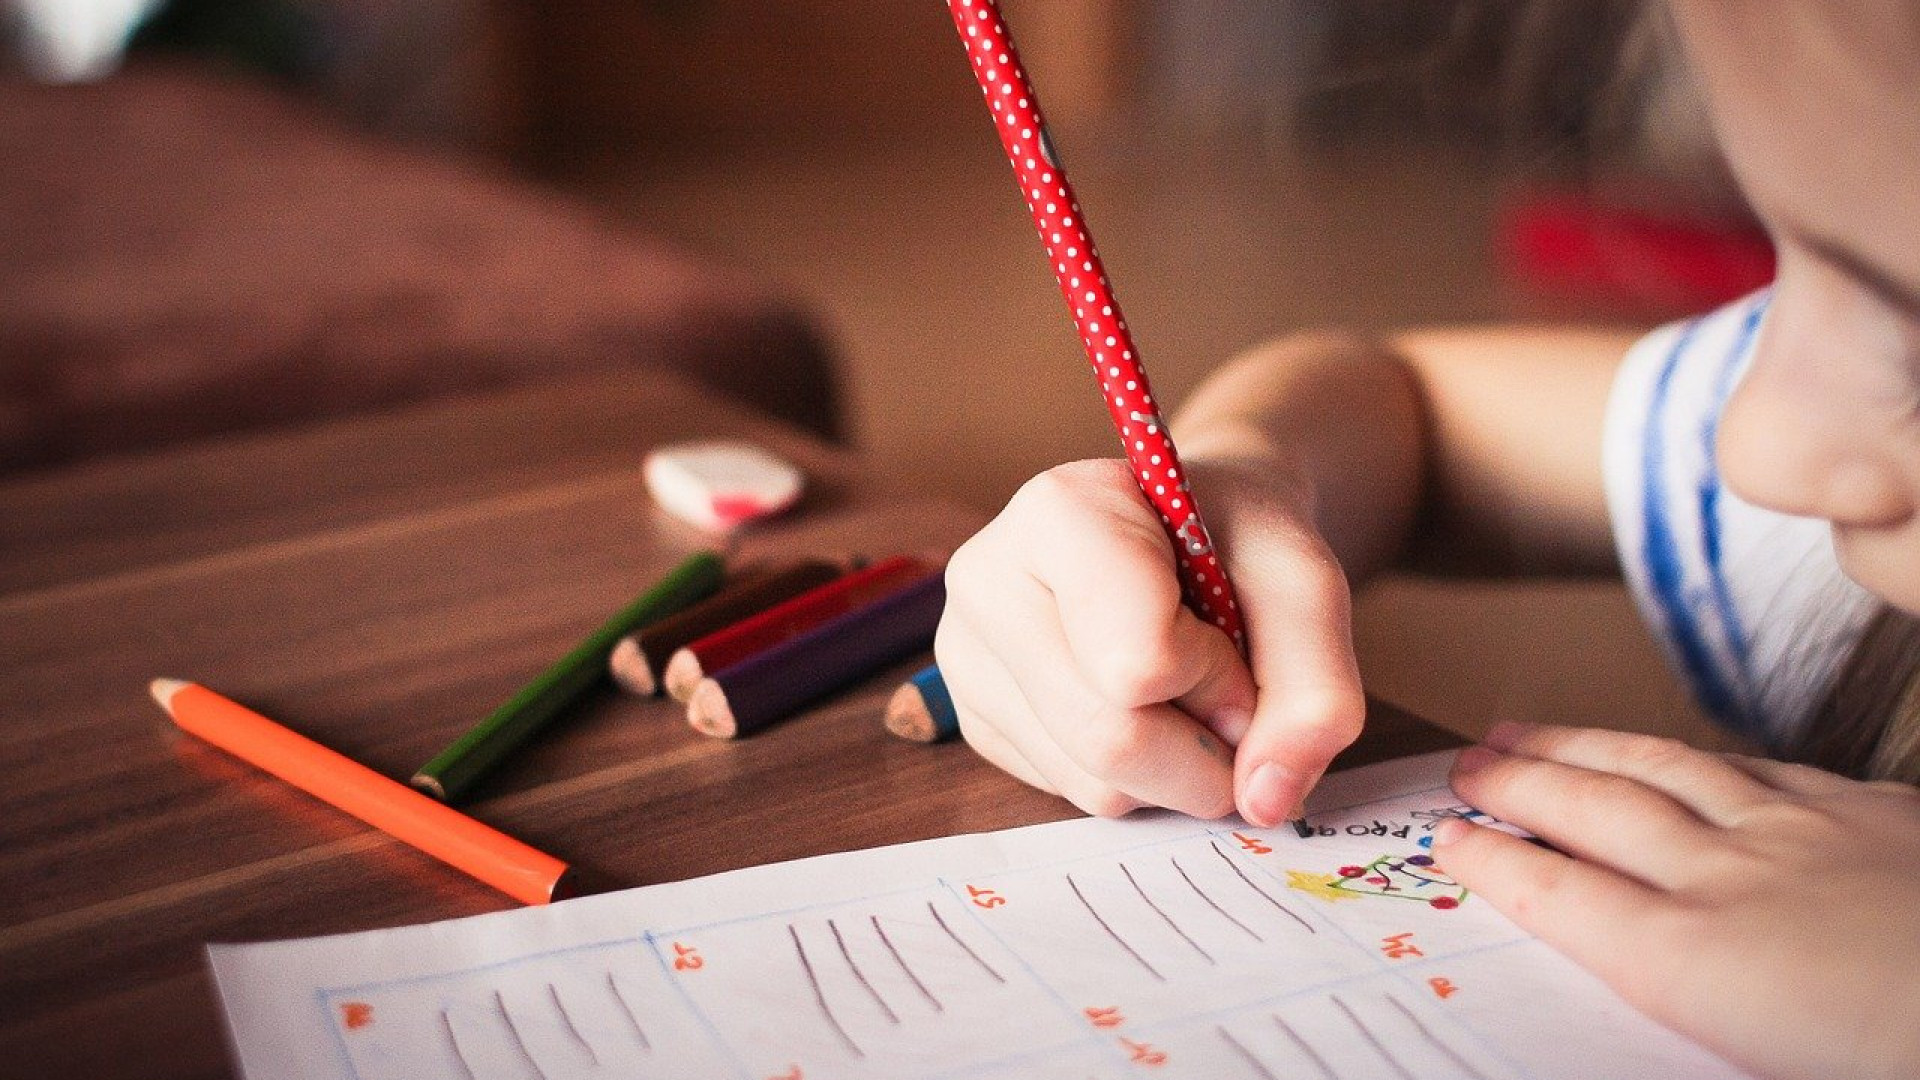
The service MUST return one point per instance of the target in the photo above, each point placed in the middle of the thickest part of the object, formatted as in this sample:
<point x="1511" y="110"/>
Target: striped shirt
<point x="1750" y="605"/>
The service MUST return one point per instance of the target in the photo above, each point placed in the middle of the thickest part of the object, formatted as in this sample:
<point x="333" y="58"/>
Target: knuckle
<point x="1135" y="670"/>
<point x="1655" y="753"/>
<point x="1045" y="493"/>
<point x="1310" y="567"/>
<point x="1544" y="886"/>
<point x="1327" y="718"/>
<point x="1108" y="744"/>
<point x="1596" y="789"/>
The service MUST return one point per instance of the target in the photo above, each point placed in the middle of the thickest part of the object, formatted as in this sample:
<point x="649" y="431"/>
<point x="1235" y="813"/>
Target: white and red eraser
<point x="721" y="485"/>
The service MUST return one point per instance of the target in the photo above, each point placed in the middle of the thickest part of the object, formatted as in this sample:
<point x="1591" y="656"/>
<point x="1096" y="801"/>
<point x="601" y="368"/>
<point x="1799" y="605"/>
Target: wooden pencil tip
<point x="683" y="675"/>
<point x="164" y="689"/>
<point x="708" y="713"/>
<point x="908" y="717"/>
<point x="1301" y="828"/>
<point x="628" y="666"/>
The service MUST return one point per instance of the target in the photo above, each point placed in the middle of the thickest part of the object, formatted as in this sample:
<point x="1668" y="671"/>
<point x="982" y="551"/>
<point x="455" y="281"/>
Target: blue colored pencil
<point x="922" y="710"/>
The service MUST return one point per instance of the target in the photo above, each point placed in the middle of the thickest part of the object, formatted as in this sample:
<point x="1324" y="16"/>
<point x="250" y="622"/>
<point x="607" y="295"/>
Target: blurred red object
<point x="1629" y="260"/>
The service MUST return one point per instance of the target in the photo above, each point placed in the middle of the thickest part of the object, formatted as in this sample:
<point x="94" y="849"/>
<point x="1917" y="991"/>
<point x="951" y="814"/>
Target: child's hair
<point x="1869" y="725"/>
<point x="1593" y="90"/>
<point x="1603" y="80"/>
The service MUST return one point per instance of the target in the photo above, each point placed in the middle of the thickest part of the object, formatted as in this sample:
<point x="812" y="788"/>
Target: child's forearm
<point x="1336" y="417"/>
<point x="1475" y="448"/>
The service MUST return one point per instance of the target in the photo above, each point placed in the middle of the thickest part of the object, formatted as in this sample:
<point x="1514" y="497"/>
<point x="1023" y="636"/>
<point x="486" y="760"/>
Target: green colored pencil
<point x="459" y="766"/>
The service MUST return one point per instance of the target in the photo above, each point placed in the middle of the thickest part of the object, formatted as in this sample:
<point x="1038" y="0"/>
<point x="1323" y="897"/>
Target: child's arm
<point x="1475" y="448"/>
<point x="1075" y="666"/>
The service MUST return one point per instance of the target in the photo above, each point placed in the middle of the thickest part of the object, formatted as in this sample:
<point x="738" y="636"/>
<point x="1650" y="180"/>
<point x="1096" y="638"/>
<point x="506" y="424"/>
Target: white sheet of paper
<point x="1155" y="946"/>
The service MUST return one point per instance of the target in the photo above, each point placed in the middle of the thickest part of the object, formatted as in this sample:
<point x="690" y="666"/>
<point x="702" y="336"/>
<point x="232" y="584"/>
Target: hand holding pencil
<point x="1072" y="659"/>
<point x="1073" y="664"/>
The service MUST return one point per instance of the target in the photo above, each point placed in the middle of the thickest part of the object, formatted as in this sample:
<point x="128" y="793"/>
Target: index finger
<point x="1309" y="705"/>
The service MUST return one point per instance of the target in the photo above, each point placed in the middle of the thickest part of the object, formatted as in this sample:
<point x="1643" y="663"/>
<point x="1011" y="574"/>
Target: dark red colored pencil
<point x="769" y="686"/>
<point x="724" y="648"/>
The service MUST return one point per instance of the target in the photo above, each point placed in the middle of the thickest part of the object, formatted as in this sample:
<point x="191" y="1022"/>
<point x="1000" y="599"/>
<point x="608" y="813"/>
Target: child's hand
<point x="1075" y="666"/>
<point x="1768" y="910"/>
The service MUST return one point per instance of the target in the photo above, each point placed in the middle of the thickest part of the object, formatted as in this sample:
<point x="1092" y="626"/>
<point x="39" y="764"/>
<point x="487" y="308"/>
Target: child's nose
<point x="1791" y="450"/>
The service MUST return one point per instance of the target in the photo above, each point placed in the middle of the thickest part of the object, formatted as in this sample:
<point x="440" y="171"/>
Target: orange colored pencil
<point x="528" y="876"/>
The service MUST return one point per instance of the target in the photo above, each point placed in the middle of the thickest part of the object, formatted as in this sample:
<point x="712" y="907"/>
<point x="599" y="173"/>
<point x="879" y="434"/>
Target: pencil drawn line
<point x="1306" y="1048"/>
<point x="1246" y="1055"/>
<point x="1210" y="902"/>
<point x="1372" y="1039"/>
<point x="968" y="949"/>
<point x="902" y="961"/>
<point x="1204" y="954"/>
<point x="632" y="1017"/>
<point x="572" y="1028"/>
<point x="1427" y="1033"/>
<point x="820" y="995"/>
<point x="1242" y="875"/>
<point x="861" y="976"/>
<point x="1118" y="940"/>
<point x="459" y="1054"/>
<point x="514" y="1030"/>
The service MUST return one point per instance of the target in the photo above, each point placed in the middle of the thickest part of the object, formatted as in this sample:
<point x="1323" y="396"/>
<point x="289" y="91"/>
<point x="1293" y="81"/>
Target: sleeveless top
<point x="1750" y="605"/>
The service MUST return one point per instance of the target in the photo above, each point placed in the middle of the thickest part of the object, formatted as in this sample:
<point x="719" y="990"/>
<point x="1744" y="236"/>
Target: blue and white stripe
<point x="1749" y="604"/>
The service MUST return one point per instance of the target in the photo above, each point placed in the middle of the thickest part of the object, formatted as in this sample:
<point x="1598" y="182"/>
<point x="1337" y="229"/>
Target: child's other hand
<point x="1075" y="666"/>
<point x="1768" y="910"/>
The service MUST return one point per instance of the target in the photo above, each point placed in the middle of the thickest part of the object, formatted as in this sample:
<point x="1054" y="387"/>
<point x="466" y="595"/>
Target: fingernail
<point x="1269" y="795"/>
<point x="1450" y="830"/>
<point x="1473" y="759"/>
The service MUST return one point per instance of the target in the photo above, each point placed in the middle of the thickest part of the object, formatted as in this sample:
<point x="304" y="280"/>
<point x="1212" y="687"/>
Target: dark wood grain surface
<point x="377" y="585"/>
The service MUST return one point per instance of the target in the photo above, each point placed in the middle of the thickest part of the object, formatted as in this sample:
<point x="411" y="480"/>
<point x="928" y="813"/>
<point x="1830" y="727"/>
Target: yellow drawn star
<point x="1320" y="885"/>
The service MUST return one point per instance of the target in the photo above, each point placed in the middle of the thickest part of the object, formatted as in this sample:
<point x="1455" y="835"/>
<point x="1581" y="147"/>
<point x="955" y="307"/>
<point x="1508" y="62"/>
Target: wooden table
<point x="378" y="584"/>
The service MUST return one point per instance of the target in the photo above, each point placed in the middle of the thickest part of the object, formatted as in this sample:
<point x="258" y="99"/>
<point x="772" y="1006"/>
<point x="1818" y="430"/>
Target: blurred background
<point x="1250" y="167"/>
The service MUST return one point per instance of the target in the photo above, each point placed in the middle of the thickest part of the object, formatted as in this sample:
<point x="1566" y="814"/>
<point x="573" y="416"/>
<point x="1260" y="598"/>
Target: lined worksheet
<point x="1155" y="946"/>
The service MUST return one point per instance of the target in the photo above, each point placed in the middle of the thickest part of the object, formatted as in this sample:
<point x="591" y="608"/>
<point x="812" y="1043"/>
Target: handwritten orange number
<point x="1143" y="1054"/>
<point x="1399" y="947"/>
<point x="356" y="1014"/>
<point x="1444" y="988"/>
<point x="986" y="898"/>
<point x="1252" y="845"/>
<point x="686" y="958"/>
<point x="1104" y="1018"/>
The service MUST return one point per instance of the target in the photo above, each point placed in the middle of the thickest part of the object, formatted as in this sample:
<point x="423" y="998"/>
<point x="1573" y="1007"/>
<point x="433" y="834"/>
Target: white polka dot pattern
<point x="1103" y="329"/>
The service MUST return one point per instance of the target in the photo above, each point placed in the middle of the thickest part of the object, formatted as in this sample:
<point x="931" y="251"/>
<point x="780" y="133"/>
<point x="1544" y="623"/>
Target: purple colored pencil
<point x="768" y="687"/>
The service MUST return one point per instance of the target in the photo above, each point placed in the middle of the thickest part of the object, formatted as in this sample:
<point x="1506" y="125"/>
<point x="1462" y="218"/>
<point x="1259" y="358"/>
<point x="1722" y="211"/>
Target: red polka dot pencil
<point x="1096" y="312"/>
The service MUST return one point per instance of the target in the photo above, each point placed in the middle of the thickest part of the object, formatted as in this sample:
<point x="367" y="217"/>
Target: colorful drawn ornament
<point x="1408" y="877"/>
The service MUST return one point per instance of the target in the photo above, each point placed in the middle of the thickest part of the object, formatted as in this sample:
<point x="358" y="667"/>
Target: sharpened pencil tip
<point x="1301" y="828"/>
<point x="164" y="689"/>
